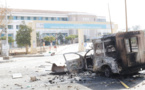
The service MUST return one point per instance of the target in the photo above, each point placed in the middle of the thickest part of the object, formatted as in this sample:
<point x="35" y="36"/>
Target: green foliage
<point x="37" y="35"/>
<point x="71" y="37"/>
<point x="23" y="36"/>
<point x="3" y="38"/>
<point x="68" y="38"/>
<point x="10" y="39"/>
<point x="49" y="38"/>
<point x="60" y="37"/>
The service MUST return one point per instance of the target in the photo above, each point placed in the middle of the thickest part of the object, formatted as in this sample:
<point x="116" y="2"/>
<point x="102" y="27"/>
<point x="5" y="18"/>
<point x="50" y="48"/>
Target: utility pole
<point x="126" y="16"/>
<point x="7" y="44"/>
<point x="110" y="18"/>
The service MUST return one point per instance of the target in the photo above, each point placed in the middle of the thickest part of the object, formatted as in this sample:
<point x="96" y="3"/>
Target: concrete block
<point x="7" y="57"/>
<point x="17" y="75"/>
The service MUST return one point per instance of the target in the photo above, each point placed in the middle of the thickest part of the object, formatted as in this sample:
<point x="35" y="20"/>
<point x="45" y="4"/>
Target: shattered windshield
<point x="99" y="48"/>
<point x="72" y="56"/>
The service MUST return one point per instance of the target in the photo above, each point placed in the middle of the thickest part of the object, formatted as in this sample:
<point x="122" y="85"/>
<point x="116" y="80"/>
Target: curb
<point x="28" y="56"/>
<point x="6" y="61"/>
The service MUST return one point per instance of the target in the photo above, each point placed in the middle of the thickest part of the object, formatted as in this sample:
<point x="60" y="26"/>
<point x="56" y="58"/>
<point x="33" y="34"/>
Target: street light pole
<point x="126" y="16"/>
<point x="6" y="32"/>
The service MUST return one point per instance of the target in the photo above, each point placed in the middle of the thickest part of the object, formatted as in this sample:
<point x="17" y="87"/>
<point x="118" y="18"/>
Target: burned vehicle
<point x="121" y="53"/>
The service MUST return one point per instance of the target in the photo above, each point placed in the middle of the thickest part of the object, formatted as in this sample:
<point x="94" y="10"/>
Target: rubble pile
<point x="73" y="78"/>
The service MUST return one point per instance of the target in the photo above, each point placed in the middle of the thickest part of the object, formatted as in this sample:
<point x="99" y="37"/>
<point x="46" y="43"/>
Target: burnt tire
<point x="107" y="72"/>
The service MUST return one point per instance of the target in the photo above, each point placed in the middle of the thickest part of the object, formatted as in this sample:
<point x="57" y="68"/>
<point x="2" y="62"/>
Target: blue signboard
<point x="75" y="26"/>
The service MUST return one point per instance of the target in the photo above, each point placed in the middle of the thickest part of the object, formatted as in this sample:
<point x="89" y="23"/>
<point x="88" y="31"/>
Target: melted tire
<point x="107" y="72"/>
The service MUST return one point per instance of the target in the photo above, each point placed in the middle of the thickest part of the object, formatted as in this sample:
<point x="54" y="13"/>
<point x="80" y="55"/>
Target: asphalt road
<point x="40" y="67"/>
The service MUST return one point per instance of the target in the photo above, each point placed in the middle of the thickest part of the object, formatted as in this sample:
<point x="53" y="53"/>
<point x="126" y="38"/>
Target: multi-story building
<point x="19" y="15"/>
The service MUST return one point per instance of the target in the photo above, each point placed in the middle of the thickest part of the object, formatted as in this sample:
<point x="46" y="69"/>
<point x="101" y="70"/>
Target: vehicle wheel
<point x="107" y="72"/>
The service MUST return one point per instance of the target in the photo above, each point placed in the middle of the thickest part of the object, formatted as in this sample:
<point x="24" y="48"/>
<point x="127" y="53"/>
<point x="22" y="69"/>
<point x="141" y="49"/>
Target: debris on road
<point x="53" y="53"/>
<point x="32" y="79"/>
<point x="17" y="75"/>
<point x="72" y="78"/>
<point x="58" y="69"/>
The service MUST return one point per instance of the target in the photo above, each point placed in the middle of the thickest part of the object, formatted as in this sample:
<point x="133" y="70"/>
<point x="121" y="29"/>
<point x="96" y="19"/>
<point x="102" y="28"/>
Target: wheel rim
<point x="107" y="72"/>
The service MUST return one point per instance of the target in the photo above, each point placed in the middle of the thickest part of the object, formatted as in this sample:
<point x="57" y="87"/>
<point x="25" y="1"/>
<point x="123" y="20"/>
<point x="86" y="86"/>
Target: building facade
<point x="19" y="15"/>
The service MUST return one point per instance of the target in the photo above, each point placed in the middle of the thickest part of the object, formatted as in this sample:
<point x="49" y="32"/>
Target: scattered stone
<point x="104" y="82"/>
<point x="69" y="86"/>
<point x="112" y="82"/>
<point x="32" y="79"/>
<point x="77" y="79"/>
<point x="44" y="74"/>
<point x="17" y="75"/>
<point x="41" y="66"/>
<point x="93" y="74"/>
<point x="18" y="85"/>
<point x="143" y="83"/>
<point x="52" y="54"/>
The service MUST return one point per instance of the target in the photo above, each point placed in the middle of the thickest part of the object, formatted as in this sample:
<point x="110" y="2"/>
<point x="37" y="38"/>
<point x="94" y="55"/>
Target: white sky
<point x="136" y="15"/>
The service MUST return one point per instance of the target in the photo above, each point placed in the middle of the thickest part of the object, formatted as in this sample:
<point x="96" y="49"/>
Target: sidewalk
<point x="5" y="61"/>
<point x="47" y="53"/>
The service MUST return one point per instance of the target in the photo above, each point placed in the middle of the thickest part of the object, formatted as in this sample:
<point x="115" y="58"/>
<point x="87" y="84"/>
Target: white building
<point x="20" y="15"/>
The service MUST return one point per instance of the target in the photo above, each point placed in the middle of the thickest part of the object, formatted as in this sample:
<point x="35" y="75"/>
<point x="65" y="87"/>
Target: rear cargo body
<point x="130" y="50"/>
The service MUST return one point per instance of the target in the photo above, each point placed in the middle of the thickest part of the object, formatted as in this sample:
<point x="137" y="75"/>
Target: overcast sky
<point x="136" y="15"/>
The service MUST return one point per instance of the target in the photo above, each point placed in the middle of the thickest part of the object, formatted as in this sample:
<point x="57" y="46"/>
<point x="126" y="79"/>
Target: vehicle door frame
<point x="66" y="61"/>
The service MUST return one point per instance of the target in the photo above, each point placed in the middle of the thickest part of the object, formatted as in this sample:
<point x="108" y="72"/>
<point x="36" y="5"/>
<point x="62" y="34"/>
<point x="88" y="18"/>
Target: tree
<point x="3" y="12"/>
<point x="23" y="36"/>
<point x="67" y="38"/>
<point x="10" y="39"/>
<point x="71" y="37"/>
<point x="49" y="39"/>
<point x="38" y="38"/>
<point x="60" y="37"/>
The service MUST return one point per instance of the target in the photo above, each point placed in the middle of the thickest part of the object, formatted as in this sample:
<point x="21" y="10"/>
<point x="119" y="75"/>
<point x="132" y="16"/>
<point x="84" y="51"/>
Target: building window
<point x="8" y="17"/>
<point x="101" y="20"/>
<point x="58" y="19"/>
<point x="22" y="18"/>
<point x="10" y="26"/>
<point x="17" y="26"/>
<point x="52" y="18"/>
<point x="10" y="35"/>
<point x="46" y="18"/>
<point x="15" y="18"/>
<point x="40" y="18"/>
<point x="34" y="18"/>
<point x="64" y="19"/>
<point x="2" y="35"/>
<point x="28" y="18"/>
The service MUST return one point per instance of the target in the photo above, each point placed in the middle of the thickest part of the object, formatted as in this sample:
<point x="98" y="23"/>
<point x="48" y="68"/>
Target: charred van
<point x="121" y="53"/>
